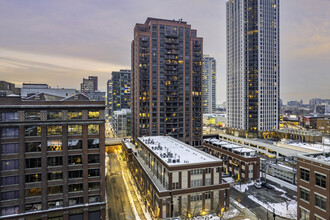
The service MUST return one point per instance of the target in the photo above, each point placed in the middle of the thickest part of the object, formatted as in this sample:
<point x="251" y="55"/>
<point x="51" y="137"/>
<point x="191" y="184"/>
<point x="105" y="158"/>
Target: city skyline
<point x="59" y="39"/>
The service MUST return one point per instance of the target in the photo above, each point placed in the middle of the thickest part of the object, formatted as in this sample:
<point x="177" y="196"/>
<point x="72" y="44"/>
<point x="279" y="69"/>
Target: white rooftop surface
<point x="186" y="153"/>
<point x="317" y="147"/>
<point x="243" y="150"/>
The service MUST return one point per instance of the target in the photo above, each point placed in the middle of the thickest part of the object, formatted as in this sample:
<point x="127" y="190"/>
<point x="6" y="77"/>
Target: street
<point x="118" y="201"/>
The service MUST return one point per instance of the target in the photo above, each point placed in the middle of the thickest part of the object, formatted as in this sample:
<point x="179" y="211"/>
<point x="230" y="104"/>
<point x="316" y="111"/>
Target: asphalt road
<point x="118" y="200"/>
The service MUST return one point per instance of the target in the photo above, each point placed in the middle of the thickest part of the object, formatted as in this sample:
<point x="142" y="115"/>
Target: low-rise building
<point x="52" y="159"/>
<point x="30" y="89"/>
<point x="239" y="162"/>
<point x="313" y="184"/>
<point x="176" y="179"/>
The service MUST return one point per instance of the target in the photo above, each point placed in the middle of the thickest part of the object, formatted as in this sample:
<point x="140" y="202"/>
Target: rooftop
<point x="174" y="152"/>
<point x="319" y="157"/>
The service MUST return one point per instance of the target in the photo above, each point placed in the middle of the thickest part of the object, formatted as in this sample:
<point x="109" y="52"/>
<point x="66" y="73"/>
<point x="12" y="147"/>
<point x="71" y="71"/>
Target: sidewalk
<point x="131" y="188"/>
<point x="246" y="212"/>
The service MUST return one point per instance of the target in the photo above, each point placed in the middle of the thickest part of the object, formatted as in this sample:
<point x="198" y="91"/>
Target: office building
<point x="209" y="84"/>
<point x="7" y="88"/>
<point x="52" y="159"/>
<point x="253" y="66"/>
<point x="313" y="186"/>
<point x="119" y="91"/>
<point x="167" y="51"/>
<point x="30" y="89"/>
<point x="89" y="84"/>
<point x="177" y="179"/>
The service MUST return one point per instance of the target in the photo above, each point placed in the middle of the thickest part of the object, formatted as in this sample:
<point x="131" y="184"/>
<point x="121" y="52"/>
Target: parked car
<point x="267" y="185"/>
<point x="257" y="184"/>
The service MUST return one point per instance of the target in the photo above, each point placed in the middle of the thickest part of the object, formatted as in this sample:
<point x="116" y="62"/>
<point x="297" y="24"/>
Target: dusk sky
<point x="59" y="42"/>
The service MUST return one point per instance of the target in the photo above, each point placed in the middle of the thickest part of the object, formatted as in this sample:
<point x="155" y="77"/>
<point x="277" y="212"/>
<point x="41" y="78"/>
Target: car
<point x="257" y="184"/>
<point x="267" y="185"/>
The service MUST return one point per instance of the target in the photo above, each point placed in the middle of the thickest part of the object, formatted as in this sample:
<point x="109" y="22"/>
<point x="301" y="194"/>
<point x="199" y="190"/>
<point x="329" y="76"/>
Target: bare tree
<point x="191" y="211"/>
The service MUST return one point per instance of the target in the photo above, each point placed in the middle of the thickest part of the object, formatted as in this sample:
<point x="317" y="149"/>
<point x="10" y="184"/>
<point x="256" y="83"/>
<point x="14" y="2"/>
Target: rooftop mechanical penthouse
<point x="177" y="179"/>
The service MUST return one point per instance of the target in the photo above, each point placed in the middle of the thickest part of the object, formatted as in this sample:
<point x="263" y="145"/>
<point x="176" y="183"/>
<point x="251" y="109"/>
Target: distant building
<point x="89" y="85"/>
<point x="313" y="186"/>
<point x="253" y="66"/>
<point x="52" y="158"/>
<point x="318" y="101"/>
<point x="29" y="89"/>
<point x="7" y="88"/>
<point x="218" y="120"/>
<point x="323" y="125"/>
<point x="121" y="122"/>
<point x="96" y="96"/>
<point x="177" y="179"/>
<point x="119" y="91"/>
<point x="167" y="65"/>
<point x="322" y="109"/>
<point x="295" y="103"/>
<point x="209" y="84"/>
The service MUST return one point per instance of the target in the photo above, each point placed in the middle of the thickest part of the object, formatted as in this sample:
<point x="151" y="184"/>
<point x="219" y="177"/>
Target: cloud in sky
<point x="59" y="42"/>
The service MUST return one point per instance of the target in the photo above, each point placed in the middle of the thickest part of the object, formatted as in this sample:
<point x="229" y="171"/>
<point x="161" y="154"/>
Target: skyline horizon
<point x="46" y="39"/>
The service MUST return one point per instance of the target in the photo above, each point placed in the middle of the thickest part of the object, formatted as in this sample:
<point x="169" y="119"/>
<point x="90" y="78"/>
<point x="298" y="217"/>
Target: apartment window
<point x="55" y="145"/>
<point x="320" y="180"/>
<point x="55" y="161"/>
<point x="196" y="172"/>
<point x="93" y="158"/>
<point x="9" y="116"/>
<point x="33" y="192"/>
<point x="93" y="129"/>
<point x="10" y="132"/>
<point x="32" y="115"/>
<point x="55" y="204"/>
<point x="320" y="202"/>
<point x="30" y="207"/>
<point x="175" y="185"/>
<point x="54" y="115"/>
<point x="93" y="172"/>
<point x="8" y="210"/>
<point x="55" y="190"/>
<point x="93" y="185"/>
<point x="93" y="114"/>
<point x="304" y="174"/>
<point x="93" y="143"/>
<point x="11" y="148"/>
<point x="54" y="130"/>
<point x="196" y="183"/>
<point x="33" y="162"/>
<point x="196" y="197"/>
<point x="74" y="115"/>
<point x="74" y="159"/>
<point x="9" y="195"/>
<point x="32" y="131"/>
<point x="75" y="187"/>
<point x="76" y="201"/>
<point x="304" y="194"/>
<point x="75" y="174"/>
<point x="32" y="147"/>
<point x="74" y="144"/>
<point x="9" y="164"/>
<point x="55" y="176"/>
<point x="31" y="178"/>
<point x="93" y="199"/>
<point x="74" y="129"/>
<point x="208" y="195"/>
<point x="207" y="181"/>
<point x="9" y="180"/>
<point x="208" y="170"/>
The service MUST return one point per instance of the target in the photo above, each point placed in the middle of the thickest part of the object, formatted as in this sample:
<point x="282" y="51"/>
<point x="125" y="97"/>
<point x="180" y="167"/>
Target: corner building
<point x="253" y="66"/>
<point x="167" y="68"/>
<point x="52" y="159"/>
<point x="313" y="185"/>
<point x="176" y="179"/>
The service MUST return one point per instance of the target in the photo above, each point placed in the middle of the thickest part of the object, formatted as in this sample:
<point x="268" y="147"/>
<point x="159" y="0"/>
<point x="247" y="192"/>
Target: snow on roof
<point x="243" y="150"/>
<point x="317" y="147"/>
<point x="174" y="152"/>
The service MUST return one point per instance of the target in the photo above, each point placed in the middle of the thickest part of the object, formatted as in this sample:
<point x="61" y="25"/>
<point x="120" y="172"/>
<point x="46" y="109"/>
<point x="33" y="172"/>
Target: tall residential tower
<point x="209" y="84"/>
<point x="253" y="66"/>
<point x="167" y="63"/>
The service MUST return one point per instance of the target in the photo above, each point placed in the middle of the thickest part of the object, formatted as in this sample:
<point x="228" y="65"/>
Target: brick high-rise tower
<point x="167" y="68"/>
